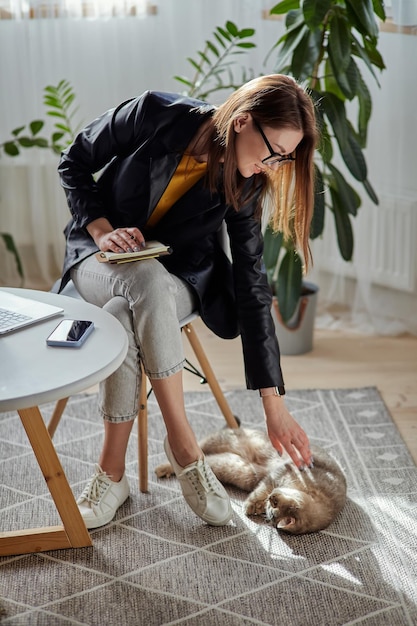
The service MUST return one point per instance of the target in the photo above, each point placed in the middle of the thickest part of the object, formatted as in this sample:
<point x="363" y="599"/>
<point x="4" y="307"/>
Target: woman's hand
<point x="285" y="432"/>
<point x="109" y="239"/>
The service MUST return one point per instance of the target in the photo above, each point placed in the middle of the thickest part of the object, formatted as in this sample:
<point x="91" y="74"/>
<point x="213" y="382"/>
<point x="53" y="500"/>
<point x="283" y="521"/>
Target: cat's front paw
<point x="164" y="470"/>
<point x="254" y="506"/>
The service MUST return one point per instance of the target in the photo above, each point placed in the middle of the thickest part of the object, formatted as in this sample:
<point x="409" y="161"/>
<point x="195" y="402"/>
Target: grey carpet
<point x="157" y="563"/>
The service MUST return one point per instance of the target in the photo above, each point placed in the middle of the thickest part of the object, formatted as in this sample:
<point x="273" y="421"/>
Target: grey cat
<point x="295" y="501"/>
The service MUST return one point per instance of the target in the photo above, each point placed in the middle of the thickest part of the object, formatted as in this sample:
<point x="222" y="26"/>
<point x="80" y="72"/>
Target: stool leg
<point x="143" y="436"/>
<point x="209" y="374"/>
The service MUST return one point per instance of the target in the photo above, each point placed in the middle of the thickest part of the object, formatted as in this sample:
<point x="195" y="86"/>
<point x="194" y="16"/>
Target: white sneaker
<point x="101" y="498"/>
<point x="202" y="491"/>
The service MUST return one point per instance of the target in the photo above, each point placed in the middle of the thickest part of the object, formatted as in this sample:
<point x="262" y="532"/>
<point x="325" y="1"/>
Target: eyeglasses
<point x="275" y="158"/>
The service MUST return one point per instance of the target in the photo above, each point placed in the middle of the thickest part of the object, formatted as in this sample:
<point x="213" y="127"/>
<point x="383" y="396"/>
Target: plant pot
<point x="296" y="337"/>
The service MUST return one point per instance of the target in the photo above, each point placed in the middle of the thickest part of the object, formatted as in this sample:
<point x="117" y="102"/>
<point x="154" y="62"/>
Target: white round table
<point x="31" y="374"/>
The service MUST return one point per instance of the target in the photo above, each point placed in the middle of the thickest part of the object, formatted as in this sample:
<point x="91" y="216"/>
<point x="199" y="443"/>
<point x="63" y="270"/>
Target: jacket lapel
<point x="161" y="171"/>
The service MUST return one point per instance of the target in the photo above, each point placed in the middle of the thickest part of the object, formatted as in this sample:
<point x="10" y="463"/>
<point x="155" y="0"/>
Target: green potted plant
<point x="213" y="65"/>
<point x="324" y="46"/>
<point x="59" y="102"/>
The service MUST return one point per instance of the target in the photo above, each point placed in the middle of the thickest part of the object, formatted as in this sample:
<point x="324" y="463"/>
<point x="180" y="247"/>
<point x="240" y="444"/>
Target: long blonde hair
<point x="277" y="101"/>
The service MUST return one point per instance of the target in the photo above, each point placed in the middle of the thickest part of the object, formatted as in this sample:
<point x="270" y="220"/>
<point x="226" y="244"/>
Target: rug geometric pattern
<point x="157" y="563"/>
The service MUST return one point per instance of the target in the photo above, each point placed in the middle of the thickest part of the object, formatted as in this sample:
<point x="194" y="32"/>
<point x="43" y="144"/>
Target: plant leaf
<point x="365" y="110"/>
<point x="348" y="80"/>
<point x="317" y="223"/>
<point x="334" y="108"/>
<point x="364" y="12"/>
<point x="348" y="145"/>
<point x="184" y="80"/>
<point x="213" y="48"/>
<point x="11" y="148"/>
<point x="291" y="41"/>
<point x="56" y="114"/>
<point x="52" y="102"/>
<point x="232" y="28"/>
<point x="272" y="247"/>
<point x="220" y="39"/>
<point x="284" y="7"/>
<point x="56" y="137"/>
<point x="370" y="191"/>
<point x="305" y="55"/>
<point x="348" y="197"/>
<point x="339" y="45"/>
<point x="330" y="83"/>
<point x="63" y="127"/>
<point x="40" y="142"/>
<point x="223" y="33"/>
<point x="18" y="130"/>
<point x="204" y="56"/>
<point x="379" y="9"/>
<point x="353" y="157"/>
<point x="315" y="11"/>
<point x="343" y="226"/>
<point x="11" y="247"/>
<point x="288" y="285"/>
<point x="36" y="126"/>
<point x="363" y="54"/>
<point x="25" y="142"/>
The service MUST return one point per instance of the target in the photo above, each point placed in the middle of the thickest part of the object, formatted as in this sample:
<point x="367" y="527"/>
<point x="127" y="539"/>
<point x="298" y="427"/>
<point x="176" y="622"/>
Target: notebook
<point x="151" y="250"/>
<point x="17" y="312"/>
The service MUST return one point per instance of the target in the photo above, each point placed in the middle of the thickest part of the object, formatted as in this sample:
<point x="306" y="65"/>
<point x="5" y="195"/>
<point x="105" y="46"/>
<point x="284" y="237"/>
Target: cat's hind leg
<point x="228" y="467"/>
<point x="231" y="469"/>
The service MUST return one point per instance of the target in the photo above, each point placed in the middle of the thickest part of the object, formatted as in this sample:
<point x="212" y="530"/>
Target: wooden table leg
<point x="73" y="533"/>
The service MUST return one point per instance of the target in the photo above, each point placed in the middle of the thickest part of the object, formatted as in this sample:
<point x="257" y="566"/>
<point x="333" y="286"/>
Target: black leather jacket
<point x="137" y="147"/>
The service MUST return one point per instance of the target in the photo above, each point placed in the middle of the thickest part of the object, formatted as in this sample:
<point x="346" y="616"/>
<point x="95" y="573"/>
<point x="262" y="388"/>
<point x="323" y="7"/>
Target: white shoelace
<point x="97" y="486"/>
<point x="201" y="477"/>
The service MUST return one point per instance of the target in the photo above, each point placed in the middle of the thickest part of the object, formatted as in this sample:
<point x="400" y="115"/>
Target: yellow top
<point x="188" y="172"/>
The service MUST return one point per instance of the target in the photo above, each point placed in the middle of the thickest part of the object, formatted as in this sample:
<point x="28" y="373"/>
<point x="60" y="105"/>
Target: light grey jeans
<point x="148" y="301"/>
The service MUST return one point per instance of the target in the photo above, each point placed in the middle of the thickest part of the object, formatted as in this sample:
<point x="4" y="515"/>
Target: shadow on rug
<point x="157" y="563"/>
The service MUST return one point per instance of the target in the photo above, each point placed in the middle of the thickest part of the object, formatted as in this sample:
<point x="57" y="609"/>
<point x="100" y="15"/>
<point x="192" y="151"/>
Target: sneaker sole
<point x="97" y="522"/>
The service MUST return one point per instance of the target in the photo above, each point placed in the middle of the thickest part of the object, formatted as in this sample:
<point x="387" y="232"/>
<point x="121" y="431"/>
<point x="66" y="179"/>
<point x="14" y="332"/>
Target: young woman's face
<point x="251" y="147"/>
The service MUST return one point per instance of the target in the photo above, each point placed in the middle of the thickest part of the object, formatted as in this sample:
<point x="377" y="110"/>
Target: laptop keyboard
<point x="9" y="318"/>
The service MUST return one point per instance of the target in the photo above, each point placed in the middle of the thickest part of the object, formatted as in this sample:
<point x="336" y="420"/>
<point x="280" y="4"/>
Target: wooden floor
<point x="338" y="360"/>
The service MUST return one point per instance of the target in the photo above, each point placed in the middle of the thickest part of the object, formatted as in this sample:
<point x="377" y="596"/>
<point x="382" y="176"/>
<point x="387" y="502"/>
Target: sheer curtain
<point x="377" y="291"/>
<point x="109" y="52"/>
<point x="107" y="58"/>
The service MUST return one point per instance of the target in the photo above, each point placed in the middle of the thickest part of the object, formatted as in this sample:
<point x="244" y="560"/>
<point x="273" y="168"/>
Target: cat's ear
<point x="286" y="522"/>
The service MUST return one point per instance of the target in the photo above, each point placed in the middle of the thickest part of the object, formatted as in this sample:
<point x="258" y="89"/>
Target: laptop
<point x="17" y="312"/>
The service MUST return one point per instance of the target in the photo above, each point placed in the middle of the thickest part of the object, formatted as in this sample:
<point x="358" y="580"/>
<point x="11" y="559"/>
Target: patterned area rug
<point x="157" y="563"/>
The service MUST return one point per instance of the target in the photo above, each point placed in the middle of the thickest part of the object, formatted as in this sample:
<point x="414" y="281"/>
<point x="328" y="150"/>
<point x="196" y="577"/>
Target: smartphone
<point x="70" y="333"/>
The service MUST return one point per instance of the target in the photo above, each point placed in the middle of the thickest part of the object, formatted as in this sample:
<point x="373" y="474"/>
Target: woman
<point x="174" y="169"/>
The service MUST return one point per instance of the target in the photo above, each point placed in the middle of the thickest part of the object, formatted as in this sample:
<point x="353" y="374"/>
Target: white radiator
<point x="385" y="242"/>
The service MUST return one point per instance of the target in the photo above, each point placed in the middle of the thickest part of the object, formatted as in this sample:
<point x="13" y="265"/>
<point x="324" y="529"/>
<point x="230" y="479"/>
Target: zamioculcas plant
<point x="213" y="66"/>
<point x="59" y="103"/>
<point x="325" y="46"/>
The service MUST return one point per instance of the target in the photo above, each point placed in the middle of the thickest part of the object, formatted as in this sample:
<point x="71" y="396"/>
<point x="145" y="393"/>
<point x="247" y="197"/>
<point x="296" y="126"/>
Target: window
<point x="76" y="9"/>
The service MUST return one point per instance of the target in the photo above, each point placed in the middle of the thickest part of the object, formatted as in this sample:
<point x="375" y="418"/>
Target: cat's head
<point x="293" y="511"/>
